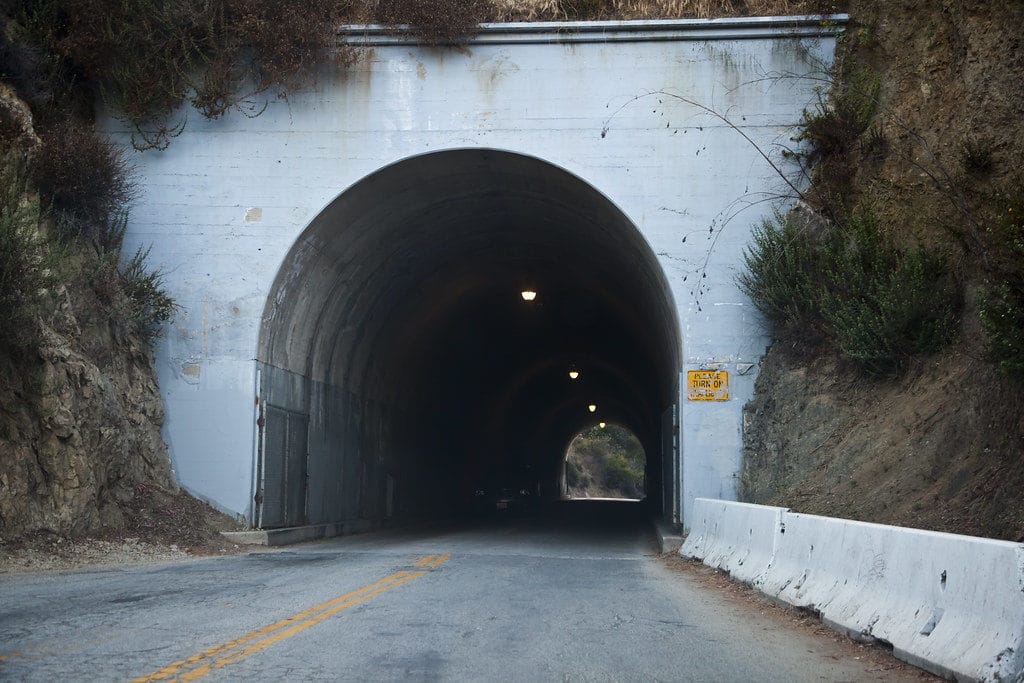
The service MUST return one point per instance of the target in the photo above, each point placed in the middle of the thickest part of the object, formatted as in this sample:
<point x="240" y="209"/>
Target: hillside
<point x="605" y="462"/>
<point x="935" y="439"/>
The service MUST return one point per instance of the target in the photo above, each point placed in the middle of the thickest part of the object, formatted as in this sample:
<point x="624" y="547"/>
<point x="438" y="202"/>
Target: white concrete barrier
<point x="736" y="537"/>
<point x="953" y="605"/>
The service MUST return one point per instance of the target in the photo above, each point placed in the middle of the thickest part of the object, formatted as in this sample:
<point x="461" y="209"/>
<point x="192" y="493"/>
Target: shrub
<point x="976" y="155"/>
<point x="883" y="304"/>
<point x="26" y="259"/>
<point x="268" y="45"/>
<point x="879" y="303"/>
<point x="441" y="22"/>
<point x="620" y="476"/>
<point x="782" y="274"/>
<point x="34" y="73"/>
<point x="575" y="477"/>
<point x="133" y="294"/>
<point x="1002" y="304"/>
<point x="149" y="305"/>
<point x="832" y="128"/>
<point x="1002" y="317"/>
<point x="148" y="56"/>
<point x="574" y="10"/>
<point x="84" y="178"/>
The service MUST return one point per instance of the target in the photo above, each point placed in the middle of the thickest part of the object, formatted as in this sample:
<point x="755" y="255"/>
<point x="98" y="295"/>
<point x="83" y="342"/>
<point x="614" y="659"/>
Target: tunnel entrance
<point x="604" y="461"/>
<point x="402" y="361"/>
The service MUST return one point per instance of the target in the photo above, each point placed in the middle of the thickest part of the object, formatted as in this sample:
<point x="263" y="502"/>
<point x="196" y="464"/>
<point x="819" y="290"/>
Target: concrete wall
<point x="224" y="203"/>
<point x="951" y="604"/>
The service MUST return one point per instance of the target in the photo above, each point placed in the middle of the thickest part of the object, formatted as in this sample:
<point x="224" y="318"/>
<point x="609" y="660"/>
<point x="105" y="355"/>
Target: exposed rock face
<point x="77" y="438"/>
<point x="80" y="415"/>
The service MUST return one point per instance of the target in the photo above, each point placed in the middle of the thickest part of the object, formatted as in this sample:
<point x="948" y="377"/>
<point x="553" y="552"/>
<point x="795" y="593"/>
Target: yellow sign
<point x="707" y="385"/>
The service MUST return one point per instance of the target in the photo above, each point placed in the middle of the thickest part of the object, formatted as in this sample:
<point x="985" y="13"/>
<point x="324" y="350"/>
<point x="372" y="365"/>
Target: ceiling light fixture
<point x="528" y="294"/>
<point x="592" y="408"/>
<point x="574" y="374"/>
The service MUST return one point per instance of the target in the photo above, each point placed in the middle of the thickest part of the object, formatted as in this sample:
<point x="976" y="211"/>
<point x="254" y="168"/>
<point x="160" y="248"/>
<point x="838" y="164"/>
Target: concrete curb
<point x="953" y="605"/>
<point x="669" y="538"/>
<point x="296" y="534"/>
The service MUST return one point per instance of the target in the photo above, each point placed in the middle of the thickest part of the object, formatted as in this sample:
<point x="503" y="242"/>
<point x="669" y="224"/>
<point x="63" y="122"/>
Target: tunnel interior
<point x="401" y="369"/>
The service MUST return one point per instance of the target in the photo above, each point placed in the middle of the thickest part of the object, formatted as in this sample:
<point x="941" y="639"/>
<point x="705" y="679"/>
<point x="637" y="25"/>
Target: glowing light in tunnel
<point x="601" y="425"/>
<point x="528" y="294"/>
<point x="592" y="408"/>
<point x="573" y="374"/>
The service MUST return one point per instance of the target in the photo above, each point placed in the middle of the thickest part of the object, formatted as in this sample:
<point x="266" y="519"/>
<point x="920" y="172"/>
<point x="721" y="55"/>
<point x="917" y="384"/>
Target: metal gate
<point x="284" y="468"/>
<point x="670" y="465"/>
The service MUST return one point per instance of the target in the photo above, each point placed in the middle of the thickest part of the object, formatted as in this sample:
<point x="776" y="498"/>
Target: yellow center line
<point x="201" y="663"/>
<point x="171" y="669"/>
<point x="440" y="558"/>
<point x="424" y="560"/>
<point x="264" y="643"/>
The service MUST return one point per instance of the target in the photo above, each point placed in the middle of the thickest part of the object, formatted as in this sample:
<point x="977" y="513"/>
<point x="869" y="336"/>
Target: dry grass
<point x="553" y="10"/>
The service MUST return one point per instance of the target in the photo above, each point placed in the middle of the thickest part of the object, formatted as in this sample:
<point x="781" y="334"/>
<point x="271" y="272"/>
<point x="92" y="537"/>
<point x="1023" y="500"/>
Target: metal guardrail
<point x="633" y="31"/>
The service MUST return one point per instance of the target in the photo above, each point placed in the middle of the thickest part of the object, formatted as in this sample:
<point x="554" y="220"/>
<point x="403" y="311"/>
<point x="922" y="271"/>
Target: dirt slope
<point x="939" y="448"/>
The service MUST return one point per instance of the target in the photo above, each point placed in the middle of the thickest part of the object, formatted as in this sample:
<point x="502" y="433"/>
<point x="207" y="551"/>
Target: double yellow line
<point x="229" y="652"/>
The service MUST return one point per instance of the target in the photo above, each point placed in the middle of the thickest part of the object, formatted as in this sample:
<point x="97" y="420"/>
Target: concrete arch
<point x="394" y="336"/>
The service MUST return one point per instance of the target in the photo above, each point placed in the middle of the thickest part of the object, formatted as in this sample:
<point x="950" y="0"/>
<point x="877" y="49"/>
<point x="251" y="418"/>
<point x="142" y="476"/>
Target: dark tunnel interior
<point x="401" y="368"/>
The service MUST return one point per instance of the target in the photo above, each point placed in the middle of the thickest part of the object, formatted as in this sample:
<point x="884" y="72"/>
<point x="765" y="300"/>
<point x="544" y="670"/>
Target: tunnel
<point x="401" y="368"/>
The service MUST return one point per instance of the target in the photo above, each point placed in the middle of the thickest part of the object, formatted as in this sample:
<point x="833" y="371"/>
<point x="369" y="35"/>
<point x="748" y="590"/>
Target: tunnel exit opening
<point x="605" y="461"/>
<point x="424" y="329"/>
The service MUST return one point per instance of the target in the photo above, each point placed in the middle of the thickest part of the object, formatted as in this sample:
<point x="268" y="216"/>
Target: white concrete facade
<point x="222" y="206"/>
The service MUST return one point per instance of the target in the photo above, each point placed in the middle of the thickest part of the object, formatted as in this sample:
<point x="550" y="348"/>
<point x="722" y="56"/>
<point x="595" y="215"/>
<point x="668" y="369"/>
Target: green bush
<point x="839" y="119"/>
<point x="27" y="264"/>
<point x="1002" y="317"/>
<point x="879" y="303"/>
<point x="149" y="304"/>
<point x="133" y="293"/>
<point x="884" y="304"/>
<point x="782" y="275"/>
<point x="1002" y="304"/>
<point x="575" y="477"/>
<point x="620" y="476"/>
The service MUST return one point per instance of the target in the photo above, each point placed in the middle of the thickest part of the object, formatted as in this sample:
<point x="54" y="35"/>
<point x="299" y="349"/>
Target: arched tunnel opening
<point x="400" y="365"/>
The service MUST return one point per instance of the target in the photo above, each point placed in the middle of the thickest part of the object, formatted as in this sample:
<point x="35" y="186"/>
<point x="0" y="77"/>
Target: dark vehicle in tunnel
<point x="510" y="491"/>
<point x="504" y="500"/>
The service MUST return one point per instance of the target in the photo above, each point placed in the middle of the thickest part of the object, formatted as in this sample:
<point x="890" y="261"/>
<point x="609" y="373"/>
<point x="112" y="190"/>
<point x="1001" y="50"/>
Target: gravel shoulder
<point x="158" y="527"/>
<point x="47" y="552"/>
<point x="877" y="658"/>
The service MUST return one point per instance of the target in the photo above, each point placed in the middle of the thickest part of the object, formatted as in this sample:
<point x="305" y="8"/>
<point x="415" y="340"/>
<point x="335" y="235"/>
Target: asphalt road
<point x="579" y="597"/>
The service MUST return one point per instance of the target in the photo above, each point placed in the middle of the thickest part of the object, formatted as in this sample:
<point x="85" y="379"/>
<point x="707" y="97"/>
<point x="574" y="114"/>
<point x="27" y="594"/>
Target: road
<point x="578" y="597"/>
